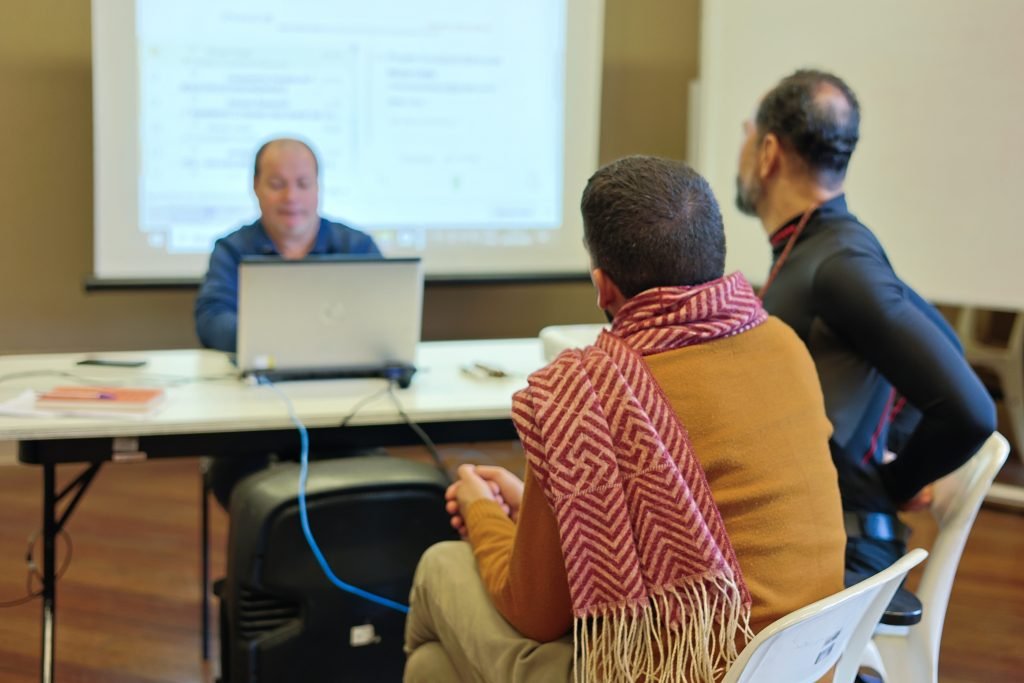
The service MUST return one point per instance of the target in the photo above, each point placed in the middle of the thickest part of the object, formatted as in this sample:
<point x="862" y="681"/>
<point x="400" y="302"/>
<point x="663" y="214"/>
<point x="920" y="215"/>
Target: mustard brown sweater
<point x="754" y="411"/>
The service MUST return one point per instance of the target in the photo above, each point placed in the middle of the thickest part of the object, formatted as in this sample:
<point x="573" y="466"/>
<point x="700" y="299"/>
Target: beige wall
<point x="46" y="185"/>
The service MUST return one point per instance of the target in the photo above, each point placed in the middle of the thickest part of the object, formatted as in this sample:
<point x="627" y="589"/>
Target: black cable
<point x="40" y="373"/>
<point x="363" y="402"/>
<point x="29" y="597"/>
<point x="424" y="437"/>
<point x="33" y="569"/>
<point x="180" y="380"/>
<point x="165" y="380"/>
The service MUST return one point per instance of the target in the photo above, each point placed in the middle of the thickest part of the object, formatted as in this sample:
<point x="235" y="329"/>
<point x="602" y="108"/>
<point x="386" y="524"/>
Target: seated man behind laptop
<point x="679" y="467"/>
<point x="286" y="183"/>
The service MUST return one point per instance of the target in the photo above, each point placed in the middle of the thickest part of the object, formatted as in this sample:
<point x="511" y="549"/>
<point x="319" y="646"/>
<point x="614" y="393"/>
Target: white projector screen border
<point x="122" y="251"/>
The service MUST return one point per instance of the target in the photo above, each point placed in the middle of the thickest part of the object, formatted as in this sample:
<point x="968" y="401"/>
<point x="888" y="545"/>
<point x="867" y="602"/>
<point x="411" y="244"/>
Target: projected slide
<point x="426" y="116"/>
<point x="460" y="132"/>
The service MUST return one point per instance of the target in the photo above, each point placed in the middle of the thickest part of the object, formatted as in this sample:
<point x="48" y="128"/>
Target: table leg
<point x="204" y="554"/>
<point x="52" y="525"/>
<point x="49" y="571"/>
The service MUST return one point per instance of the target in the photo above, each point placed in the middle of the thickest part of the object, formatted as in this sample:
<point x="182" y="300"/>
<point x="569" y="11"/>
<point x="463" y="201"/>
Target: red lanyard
<point x="789" y="247"/>
<point x="895" y="402"/>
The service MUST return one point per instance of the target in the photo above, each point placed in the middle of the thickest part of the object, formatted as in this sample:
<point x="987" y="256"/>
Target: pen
<point x="83" y="394"/>
<point x="490" y="370"/>
<point x="470" y="372"/>
<point x="481" y="371"/>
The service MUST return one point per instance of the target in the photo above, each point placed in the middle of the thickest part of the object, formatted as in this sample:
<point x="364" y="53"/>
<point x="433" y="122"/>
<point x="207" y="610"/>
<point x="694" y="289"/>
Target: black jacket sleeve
<point x="893" y="329"/>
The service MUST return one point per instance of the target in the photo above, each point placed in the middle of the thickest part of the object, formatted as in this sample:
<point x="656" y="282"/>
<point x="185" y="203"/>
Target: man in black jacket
<point x="891" y="369"/>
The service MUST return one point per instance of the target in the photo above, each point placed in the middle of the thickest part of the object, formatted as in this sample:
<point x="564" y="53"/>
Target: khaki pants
<point x="454" y="633"/>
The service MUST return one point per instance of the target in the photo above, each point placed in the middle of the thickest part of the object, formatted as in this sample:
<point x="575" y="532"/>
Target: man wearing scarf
<point x="678" y="494"/>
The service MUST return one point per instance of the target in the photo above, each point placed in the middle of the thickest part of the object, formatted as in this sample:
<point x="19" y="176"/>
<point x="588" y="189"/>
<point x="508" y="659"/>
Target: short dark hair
<point x="651" y="222"/>
<point x="268" y="143"/>
<point x="806" y="119"/>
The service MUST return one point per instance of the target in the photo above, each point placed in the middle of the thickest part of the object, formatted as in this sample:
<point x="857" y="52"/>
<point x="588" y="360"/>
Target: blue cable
<point x="304" y="516"/>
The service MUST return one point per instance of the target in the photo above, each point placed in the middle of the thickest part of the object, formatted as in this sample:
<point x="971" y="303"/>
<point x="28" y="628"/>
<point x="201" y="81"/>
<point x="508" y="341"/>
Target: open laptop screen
<point x="324" y="314"/>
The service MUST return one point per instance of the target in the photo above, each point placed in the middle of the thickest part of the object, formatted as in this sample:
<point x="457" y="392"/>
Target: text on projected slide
<point x="426" y="116"/>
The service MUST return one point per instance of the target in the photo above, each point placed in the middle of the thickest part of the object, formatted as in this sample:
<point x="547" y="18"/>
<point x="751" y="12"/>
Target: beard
<point x="747" y="196"/>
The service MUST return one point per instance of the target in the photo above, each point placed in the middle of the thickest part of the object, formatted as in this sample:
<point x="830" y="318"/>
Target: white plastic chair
<point x="910" y="654"/>
<point x="801" y="647"/>
<point x="1007" y="362"/>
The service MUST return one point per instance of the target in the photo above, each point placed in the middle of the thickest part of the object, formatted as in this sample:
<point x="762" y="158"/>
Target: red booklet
<point x="115" y="399"/>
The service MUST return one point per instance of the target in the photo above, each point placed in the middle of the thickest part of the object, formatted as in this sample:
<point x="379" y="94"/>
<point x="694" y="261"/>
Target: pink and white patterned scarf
<point x="656" y="589"/>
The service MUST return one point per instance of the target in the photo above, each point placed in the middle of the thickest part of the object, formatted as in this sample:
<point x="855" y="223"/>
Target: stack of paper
<point x="103" y="399"/>
<point x="133" y="403"/>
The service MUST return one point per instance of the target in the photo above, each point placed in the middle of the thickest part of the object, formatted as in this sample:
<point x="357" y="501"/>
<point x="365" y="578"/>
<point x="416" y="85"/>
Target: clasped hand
<point x="482" y="482"/>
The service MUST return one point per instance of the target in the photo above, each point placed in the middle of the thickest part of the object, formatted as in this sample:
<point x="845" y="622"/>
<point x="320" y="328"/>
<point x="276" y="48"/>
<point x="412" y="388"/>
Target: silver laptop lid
<point x="328" y="312"/>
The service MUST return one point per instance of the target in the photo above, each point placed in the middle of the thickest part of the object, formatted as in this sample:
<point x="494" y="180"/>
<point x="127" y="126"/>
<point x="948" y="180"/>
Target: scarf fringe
<point x="687" y="633"/>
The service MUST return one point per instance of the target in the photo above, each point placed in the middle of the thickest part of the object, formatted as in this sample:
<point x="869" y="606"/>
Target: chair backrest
<point x="977" y="348"/>
<point x="801" y="647"/>
<point x="958" y="496"/>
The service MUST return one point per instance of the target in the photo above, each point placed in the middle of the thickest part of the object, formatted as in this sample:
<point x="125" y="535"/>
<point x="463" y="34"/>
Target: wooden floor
<point x="128" y="606"/>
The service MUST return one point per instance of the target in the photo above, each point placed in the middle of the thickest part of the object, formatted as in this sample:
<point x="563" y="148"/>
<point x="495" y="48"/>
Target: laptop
<point x="328" y="317"/>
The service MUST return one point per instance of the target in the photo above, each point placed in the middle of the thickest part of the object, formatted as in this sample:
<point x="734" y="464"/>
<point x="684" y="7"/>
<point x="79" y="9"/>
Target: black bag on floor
<point x="282" y="620"/>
